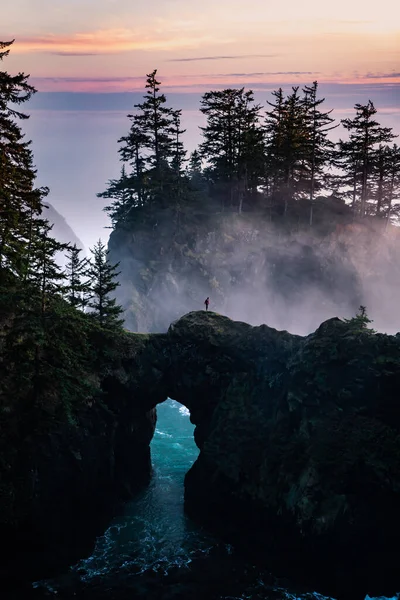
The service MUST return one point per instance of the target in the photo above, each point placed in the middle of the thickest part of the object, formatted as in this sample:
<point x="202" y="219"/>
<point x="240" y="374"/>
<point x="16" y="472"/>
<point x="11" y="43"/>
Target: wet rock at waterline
<point x="299" y="443"/>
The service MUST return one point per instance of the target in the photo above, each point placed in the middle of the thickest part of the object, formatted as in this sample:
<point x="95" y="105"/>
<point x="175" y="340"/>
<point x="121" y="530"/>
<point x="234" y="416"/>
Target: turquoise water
<point x="153" y="539"/>
<point x="154" y="533"/>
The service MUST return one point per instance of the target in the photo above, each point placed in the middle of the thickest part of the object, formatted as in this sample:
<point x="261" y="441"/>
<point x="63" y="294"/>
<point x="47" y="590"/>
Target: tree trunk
<point x="390" y="200"/>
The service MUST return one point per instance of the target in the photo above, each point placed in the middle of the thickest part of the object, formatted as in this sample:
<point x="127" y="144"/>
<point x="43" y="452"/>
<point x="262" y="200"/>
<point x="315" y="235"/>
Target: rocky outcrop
<point x="73" y="479"/>
<point x="300" y="447"/>
<point x="299" y="443"/>
<point x="60" y="485"/>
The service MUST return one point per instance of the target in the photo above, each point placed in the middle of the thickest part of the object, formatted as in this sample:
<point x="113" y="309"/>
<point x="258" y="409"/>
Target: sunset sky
<point x="107" y="45"/>
<point x="86" y="57"/>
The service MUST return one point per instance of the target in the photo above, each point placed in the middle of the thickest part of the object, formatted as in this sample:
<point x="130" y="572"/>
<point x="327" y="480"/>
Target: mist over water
<point x="297" y="282"/>
<point x="255" y="272"/>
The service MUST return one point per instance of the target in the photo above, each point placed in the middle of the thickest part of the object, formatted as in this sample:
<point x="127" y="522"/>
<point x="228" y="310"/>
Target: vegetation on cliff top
<point x="266" y="195"/>
<point x="273" y="162"/>
<point x="50" y="349"/>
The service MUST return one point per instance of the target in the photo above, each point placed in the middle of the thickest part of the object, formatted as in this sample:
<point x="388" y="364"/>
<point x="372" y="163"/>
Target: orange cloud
<point x="110" y="41"/>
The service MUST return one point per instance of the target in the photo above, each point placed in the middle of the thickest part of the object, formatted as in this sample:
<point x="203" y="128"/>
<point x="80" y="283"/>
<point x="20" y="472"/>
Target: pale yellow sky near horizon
<point x="108" y="45"/>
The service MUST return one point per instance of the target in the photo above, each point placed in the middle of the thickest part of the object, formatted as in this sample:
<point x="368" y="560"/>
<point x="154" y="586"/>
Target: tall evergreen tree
<point x="286" y="144"/>
<point x="380" y="172"/>
<point x="156" y="122"/>
<point x="76" y="275"/>
<point x="233" y="144"/>
<point x="393" y="181"/>
<point x="365" y="134"/>
<point x="319" y="148"/>
<point x="103" y="276"/>
<point x="44" y="272"/>
<point x="348" y="160"/>
<point x="178" y="152"/>
<point x="274" y="129"/>
<point x="154" y="151"/>
<point x="20" y="201"/>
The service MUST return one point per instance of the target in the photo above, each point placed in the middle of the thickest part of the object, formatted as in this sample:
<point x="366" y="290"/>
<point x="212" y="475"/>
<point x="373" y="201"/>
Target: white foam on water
<point x="395" y="597"/>
<point x="184" y="411"/>
<point x="163" y="433"/>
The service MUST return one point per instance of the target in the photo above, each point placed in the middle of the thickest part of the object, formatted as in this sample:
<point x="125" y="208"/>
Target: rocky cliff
<point x="300" y="446"/>
<point x="299" y="443"/>
<point x="62" y="479"/>
<point x="289" y="276"/>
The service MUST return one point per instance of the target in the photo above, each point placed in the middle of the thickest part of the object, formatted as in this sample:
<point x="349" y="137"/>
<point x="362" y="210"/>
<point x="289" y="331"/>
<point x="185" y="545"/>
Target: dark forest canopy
<point x="28" y="251"/>
<point x="254" y="158"/>
<point x="49" y="317"/>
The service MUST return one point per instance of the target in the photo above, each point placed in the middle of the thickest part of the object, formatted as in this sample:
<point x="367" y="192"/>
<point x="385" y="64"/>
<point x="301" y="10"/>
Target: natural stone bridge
<point x="299" y="441"/>
<point x="299" y="437"/>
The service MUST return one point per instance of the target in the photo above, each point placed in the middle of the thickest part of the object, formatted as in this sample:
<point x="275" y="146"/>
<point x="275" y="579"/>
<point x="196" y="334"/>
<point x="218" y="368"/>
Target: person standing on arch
<point x="207" y="302"/>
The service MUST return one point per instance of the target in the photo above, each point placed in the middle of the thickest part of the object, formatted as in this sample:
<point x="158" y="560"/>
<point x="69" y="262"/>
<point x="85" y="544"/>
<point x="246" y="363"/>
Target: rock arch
<point x="293" y="433"/>
<point x="299" y="442"/>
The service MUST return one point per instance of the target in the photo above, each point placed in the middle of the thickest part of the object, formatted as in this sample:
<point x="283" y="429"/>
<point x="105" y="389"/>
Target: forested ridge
<point x="269" y="159"/>
<point x="268" y="211"/>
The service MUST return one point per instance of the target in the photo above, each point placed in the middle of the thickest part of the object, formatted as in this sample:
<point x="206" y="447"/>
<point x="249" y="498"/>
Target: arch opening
<point x="173" y="447"/>
<point x="165" y="534"/>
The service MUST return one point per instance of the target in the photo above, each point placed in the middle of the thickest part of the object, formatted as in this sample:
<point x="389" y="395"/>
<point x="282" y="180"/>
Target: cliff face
<point x="299" y="443"/>
<point x="300" y="447"/>
<point x="70" y="481"/>
<point x="61" y="231"/>
<point x="288" y="276"/>
<point x="61" y="477"/>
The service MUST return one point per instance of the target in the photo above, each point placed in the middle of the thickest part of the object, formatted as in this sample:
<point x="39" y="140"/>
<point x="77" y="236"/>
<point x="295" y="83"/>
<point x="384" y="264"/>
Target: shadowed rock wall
<point x="299" y="443"/>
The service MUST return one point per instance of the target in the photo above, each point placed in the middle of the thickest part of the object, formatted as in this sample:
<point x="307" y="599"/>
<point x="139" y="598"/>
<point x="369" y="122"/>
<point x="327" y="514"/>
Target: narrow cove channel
<point x="155" y="552"/>
<point x="154" y="533"/>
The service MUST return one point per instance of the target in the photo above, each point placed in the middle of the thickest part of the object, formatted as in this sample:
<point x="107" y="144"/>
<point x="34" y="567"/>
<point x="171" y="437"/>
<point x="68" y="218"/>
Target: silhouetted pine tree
<point x="286" y="145"/>
<point x="76" y="274"/>
<point x="20" y="201"/>
<point x="103" y="282"/>
<point x="365" y="134"/>
<point x="233" y="144"/>
<point x="392" y="190"/>
<point x="156" y="123"/>
<point x="154" y="151"/>
<point x="319" y="148"/>
<point x="178" y="152"/>
<point x="43" y="272"/>
<point x="348" y="159"/>
<point x="274" y="142"/>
